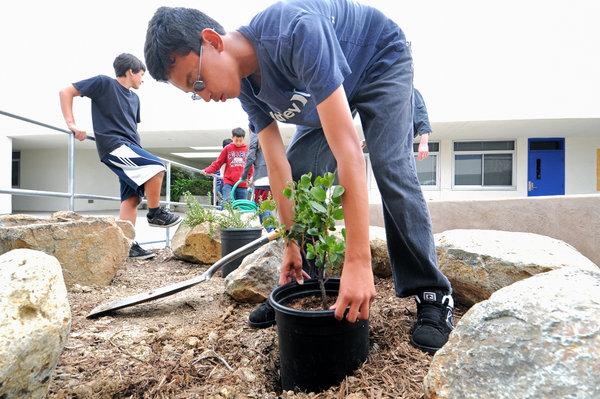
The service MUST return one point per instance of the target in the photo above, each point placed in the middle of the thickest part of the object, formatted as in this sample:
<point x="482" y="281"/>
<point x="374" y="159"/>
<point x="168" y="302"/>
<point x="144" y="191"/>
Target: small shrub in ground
<point x="197" y="214"/>
<point x="230" y="218"/>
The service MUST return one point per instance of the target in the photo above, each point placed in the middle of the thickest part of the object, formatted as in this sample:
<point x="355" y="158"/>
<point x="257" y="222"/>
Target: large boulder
<point x="257" y="275"/>
<point x="538" y="338"/>
<point x="480" y="262"/>
<point x="35" y="318"/>
<point x="198" y="244"/>
<point x="90" y="249"/>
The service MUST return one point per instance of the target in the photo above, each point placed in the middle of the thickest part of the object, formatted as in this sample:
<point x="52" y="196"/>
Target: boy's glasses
<point x="199" y="83"/>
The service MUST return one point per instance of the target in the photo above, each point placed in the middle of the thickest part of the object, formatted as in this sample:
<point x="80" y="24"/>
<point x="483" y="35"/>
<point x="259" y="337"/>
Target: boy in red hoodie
<point x="234" y="157"/>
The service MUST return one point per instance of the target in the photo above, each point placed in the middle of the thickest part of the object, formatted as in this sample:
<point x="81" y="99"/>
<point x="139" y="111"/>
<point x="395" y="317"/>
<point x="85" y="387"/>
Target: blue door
<point x="546" y="167"/>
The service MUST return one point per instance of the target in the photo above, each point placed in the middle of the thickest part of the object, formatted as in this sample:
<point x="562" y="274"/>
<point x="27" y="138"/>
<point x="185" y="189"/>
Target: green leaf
<point x="287" y="192"/>
<point x="329" y="178"/>
<point x="318" y="193"/>
<point x="310" y="255"/>
<point x="305" y="180"/>
<point x="337" y="191"/>
<point x="338" y="214"/>
<point x="313" y="231"/>
<point x="318" y="207"/>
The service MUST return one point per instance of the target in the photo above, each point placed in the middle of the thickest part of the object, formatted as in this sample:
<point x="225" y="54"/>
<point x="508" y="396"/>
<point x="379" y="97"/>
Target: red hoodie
<point x="234" y="159"/>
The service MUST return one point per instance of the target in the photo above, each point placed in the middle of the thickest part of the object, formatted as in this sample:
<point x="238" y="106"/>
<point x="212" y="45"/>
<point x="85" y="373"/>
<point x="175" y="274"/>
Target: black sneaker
<point x="434" y="321"/>
<point x="137" y="252"/>
<point x="163" y="218"/>
<point x="263" y="316"/>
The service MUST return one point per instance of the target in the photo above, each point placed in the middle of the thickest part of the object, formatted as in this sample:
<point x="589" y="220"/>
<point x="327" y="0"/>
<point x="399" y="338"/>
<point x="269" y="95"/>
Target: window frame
<point x="16" y="160"/>
<point x="437" y="153"/>
<point x="462" y="187"/>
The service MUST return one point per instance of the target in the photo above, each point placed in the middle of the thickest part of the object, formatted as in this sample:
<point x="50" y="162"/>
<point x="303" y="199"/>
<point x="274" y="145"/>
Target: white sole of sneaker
<point x="175" y="223"/>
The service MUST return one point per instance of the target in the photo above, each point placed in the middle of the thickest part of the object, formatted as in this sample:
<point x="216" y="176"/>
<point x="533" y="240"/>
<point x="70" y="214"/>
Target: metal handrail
<point x="71" y="195"/>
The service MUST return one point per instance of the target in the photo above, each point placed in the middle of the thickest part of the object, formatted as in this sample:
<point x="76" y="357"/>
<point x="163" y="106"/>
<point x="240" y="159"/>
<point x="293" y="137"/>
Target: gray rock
<point x="35" y="319"/>
<point x="89" y="249"/>
<point x="538" y="338"/>
<point x="480" y="262"/>
<point x="258" y="274"/>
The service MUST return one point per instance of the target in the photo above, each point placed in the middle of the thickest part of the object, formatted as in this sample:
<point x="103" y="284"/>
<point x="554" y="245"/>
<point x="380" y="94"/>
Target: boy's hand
<point x="291" y="266"/>
<point x="423" y="147"/>
<point x="78" y="133"/>
<point x="357" y="290"/>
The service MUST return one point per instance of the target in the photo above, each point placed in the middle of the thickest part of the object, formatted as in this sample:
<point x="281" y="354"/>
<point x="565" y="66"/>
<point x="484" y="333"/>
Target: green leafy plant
<point x="317" y="207"/>
<point x="232" y="218"/>
<point x="197" y="214"/>
<point x="183" y="181"/>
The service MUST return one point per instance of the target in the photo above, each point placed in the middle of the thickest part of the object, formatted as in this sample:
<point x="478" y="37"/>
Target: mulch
<point x="197" y="344"/>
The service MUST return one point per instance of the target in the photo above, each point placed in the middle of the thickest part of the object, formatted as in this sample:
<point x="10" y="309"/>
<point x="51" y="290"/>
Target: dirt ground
<point x="196" y="344"/>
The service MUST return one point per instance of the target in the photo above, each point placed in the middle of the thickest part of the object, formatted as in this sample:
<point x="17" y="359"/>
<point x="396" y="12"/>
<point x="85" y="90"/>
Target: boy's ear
<point x="211" y="36"/>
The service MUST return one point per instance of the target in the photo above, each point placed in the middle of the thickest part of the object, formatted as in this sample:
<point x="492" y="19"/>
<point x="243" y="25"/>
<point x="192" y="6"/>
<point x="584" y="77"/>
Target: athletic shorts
<point x="134" y="166"/>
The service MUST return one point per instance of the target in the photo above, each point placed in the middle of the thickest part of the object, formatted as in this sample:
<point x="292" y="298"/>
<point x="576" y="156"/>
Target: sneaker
<point x="163" y="218"/>
<point x="263" y="316"/>
<point x="137" y="252"/>
<point x="434" y="321"/>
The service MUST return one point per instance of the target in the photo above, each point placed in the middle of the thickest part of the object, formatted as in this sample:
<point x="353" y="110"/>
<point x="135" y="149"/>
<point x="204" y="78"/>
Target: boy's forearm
<point x="355" y="203"/>
<point x="280" y="172"/>
<point x="66" y="105"/>
<point x="342" y="138"/>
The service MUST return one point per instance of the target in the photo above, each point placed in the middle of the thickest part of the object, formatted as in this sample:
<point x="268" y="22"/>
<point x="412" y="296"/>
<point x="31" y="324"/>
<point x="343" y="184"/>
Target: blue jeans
<point x="384" y="103"/>
<point x="240" y="193"/>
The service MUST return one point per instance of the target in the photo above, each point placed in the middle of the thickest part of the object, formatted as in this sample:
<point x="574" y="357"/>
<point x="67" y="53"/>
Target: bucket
<point x="316" y="351"/>
<point x="232" y="239"/>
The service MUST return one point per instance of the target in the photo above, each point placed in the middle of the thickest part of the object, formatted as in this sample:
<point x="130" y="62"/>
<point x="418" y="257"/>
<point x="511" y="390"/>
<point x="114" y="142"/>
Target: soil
<point x="311" y="303"/>
<point x="197" y="344"/>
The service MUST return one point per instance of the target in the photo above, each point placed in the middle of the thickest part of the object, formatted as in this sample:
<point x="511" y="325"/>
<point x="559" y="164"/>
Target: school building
<point x="468" y="160"/>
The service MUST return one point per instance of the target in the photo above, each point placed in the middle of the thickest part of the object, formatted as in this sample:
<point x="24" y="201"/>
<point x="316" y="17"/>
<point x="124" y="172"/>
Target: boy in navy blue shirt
<point x="311" y="63"/>
<point x="115" y="115"/>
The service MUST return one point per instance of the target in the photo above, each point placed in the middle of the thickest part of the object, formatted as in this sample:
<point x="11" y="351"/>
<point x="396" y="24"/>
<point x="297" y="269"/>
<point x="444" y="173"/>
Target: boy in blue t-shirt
<point x="312" y="63"/>
<point x="115" y="115"/>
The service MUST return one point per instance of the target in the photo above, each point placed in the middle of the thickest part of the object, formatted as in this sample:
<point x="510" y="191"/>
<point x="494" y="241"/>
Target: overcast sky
<point x="474" y="59"/>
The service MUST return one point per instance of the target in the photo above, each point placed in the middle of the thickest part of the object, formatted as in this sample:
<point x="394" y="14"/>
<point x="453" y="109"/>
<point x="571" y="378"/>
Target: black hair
<point x="226" y="142"/>
<point x="238" y="132"/>
<point x="174" y="30"/>
<point x="124" y="62"/>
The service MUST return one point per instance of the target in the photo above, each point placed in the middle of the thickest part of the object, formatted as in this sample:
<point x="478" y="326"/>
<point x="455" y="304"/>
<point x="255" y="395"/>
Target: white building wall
<point x="581" y="172"/>
<point x="47" y="170"/>
<point x="5" y="173"/>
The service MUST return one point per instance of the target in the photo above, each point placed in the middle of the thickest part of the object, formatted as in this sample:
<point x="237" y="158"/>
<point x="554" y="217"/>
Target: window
<point x="428" y="167"/>
<point x="16" y="169"/>
<point x="484" y="163"/>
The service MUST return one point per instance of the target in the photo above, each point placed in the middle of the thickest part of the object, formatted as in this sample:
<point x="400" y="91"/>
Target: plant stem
<point x="322" y="287"/>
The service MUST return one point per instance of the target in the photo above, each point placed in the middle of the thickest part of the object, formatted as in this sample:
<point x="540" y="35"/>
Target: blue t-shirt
<point x="308" y="48"/>
<point x="115" y="112"/>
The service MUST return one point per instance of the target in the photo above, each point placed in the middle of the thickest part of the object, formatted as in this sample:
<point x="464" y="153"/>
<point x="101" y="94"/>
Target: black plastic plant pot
<point x="232" y="239"/>
<point x="316" y="351"/>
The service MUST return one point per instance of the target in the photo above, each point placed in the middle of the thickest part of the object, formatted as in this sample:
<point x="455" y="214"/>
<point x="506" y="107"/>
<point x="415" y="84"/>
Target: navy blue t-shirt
<point x="115" y="112"/>
<point x="308" y="48"/>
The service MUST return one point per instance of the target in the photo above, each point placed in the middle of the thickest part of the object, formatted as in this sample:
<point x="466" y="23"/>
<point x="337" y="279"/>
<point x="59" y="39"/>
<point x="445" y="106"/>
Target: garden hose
<point x="242" y="205"/>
